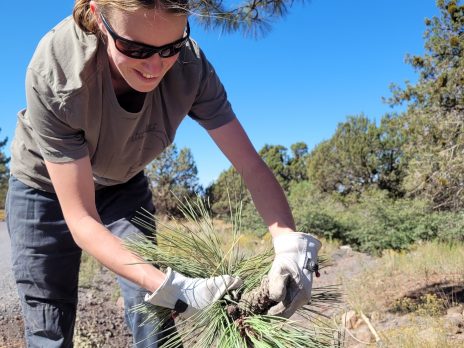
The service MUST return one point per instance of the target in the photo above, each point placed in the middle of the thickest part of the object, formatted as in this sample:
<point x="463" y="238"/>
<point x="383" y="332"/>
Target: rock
<point x="349" y="319"/>
<point x="455" y="323"/>
<point x="120" y="302"/>
<point x="457" y="310"/>
<point x="358" y="323"/>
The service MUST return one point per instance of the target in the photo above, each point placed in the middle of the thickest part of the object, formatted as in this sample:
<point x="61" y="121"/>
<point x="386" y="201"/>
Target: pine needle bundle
<point x="193" y="247"/>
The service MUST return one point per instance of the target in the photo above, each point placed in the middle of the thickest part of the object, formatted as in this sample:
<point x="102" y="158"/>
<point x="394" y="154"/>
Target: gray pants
<point x="46" y="259"/>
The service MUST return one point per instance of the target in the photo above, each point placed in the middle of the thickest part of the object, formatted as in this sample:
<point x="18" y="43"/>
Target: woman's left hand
<point x="291" y="274"/>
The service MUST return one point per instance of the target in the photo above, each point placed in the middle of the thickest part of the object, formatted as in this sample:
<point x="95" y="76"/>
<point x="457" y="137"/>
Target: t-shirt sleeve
<point x="211" y="108"/>
<point x="46" y="112"/>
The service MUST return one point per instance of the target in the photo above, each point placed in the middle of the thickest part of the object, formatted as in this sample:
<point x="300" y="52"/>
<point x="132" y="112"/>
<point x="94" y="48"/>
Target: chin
<point x="145" y="89"/>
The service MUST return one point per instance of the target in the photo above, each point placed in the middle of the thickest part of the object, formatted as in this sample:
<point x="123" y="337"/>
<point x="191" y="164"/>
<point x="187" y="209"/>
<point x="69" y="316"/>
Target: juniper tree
<point x="434" y="118"/>
<point x="172" y="174"/>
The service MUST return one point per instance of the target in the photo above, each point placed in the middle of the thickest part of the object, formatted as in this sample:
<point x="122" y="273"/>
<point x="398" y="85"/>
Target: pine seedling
<point x="192" y="246"/>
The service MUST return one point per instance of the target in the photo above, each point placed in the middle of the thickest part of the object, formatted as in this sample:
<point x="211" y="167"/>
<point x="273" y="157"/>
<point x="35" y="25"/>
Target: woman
<point x="106" y="91"/>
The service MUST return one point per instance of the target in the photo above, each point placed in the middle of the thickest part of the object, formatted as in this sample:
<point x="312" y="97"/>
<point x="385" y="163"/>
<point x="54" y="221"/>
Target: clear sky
<point x="324" y="61"/>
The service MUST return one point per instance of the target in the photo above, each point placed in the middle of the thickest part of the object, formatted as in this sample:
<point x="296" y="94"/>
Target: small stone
<point x="455" y="310"/>
<point x="120" y="302"/>
<point x="349" y="319"/>
<point x="455" y="323"/>
<point x="358" y="323"/>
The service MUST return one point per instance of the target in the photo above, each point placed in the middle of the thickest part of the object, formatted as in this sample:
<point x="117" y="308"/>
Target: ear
<point x="93" y="7"/>
<point x="95" y="13"/>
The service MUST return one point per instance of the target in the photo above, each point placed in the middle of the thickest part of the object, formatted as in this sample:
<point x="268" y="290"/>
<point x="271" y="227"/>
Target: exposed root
<point x="255" y="302"/>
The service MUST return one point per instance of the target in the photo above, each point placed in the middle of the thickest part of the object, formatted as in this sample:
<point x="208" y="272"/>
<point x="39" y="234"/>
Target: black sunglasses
<point x="137" y="50"/>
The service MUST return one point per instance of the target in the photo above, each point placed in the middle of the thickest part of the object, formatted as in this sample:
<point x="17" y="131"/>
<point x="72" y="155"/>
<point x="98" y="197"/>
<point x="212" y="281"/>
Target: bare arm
<point x="267" y="194"/>
<point x="74" y="187"/>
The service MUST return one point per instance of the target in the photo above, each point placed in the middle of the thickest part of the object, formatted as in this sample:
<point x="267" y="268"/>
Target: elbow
<point x="79" y="228"/>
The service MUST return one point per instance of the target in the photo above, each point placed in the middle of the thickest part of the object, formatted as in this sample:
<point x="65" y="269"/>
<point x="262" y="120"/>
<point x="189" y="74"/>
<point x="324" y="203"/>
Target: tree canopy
<point x="435" y="115"/>
<point x="252" y="17"/>
<point x="173" y="177"/>
<point x="359" y="156"/>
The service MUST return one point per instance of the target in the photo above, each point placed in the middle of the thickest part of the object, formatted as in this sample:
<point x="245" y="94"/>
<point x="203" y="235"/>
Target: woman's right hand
<point x="186" y="296"/>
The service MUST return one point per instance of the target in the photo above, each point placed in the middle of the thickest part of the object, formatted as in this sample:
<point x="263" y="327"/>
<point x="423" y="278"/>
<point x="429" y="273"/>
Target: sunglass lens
<point x="168" y="52"/>
<point x="136" y="51"/>
<point x="172" y="50"/>
<point x="133" y="50"/>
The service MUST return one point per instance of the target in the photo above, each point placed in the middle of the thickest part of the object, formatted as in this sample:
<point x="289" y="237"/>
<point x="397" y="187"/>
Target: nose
<point x="153" y="65"/>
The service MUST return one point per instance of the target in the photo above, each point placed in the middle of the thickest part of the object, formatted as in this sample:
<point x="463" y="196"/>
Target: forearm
<point x="269" y="198"/>
<point x="267" y="194"/>
<point x="109" y="250"/>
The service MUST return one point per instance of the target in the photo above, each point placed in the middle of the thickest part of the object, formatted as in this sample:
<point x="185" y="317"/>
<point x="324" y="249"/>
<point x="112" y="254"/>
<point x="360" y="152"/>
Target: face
<point x="151" y="27"/>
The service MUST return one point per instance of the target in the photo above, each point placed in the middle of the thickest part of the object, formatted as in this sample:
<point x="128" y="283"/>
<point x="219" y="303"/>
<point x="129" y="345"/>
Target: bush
<point x="252" y="221"/>
<point x="373" y="221"/>
<point x="449" y="226"/>
<point x="378" y="222"/>
<point x="315" y="213"/>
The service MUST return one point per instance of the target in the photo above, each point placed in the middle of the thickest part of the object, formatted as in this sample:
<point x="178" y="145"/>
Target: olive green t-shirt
<point x="72" y="110"/>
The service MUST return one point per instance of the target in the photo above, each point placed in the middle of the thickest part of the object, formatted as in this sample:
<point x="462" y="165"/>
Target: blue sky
<point x="324" y="61"/>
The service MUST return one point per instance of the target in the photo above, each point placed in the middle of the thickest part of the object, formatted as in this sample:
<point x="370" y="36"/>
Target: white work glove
<point x="291" y="274"/>
<point x="186" y="296"/>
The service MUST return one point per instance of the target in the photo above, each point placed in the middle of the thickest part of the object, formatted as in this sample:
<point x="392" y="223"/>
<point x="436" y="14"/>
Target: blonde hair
<point x="86" y="21"/>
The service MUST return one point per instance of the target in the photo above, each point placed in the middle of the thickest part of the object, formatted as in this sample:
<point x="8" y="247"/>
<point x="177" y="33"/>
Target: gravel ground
<point x="100" y="317"/>
<point x="10" y="312"/>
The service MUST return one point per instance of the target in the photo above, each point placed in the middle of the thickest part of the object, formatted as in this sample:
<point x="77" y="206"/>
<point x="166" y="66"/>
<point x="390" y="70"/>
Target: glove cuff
<point x="168" y="293"/>
<point x="296" y="241"/>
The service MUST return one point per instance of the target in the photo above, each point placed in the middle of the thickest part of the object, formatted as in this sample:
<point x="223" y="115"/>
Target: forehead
<point x="152" y="27"/>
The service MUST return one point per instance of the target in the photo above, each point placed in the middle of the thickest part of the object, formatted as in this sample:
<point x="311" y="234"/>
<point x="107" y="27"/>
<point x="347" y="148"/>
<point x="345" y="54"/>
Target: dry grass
<point x="2" y="215"/>
<point x="413" y="290"/>
<point x="430" y="266"/>
<point x="420" y="333"/>
<point x="88" y="270"/>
